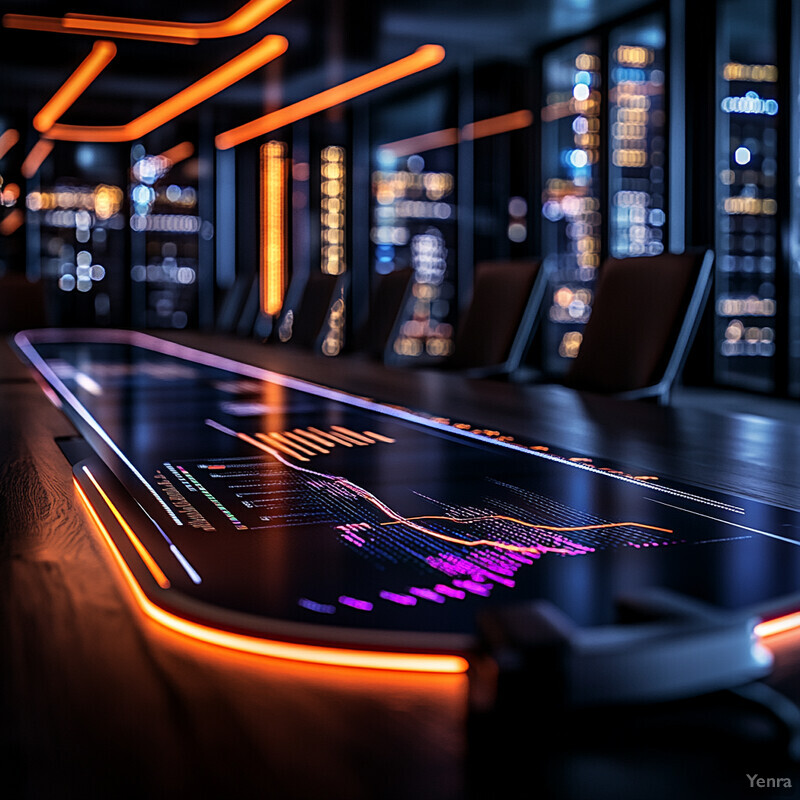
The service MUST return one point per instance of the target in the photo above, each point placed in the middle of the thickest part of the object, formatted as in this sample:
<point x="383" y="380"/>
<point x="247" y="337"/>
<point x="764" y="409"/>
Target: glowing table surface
<point x="276" y="506"/>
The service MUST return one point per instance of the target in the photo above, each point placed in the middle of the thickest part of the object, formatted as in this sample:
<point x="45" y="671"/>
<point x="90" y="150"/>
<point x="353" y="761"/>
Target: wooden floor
<point x="98" y="702"/>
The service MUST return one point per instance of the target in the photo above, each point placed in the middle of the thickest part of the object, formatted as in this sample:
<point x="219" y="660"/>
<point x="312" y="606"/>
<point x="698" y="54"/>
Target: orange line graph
<point x="335" y="656"/>
<point x="7" y="140"/>
<point x="244" y="19"/>
<point x="513" y="548"/>
<point x="410" y="521"/>
<point x="466" y="521"/>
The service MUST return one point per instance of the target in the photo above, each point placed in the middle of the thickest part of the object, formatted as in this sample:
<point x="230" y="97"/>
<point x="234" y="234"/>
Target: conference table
<point x="99" y="699"/>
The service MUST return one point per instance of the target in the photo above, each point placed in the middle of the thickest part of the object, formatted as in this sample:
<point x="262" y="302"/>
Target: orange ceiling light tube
<point x="492" y="126"/>
<point x="8" y="139"/>
<point x="423" y="142"/>
<point x="424" y="57"/>
<point x="75" y="85"/>
<point x="268" y="49"/>
<point x="35" y="159"/>
<point x="180" y="152"/>
<point x="12" y="222"/>
<point x="272" y="228"/>
<point x="514" y="121"/>
<point x="245" y="19"/>
<point x="334" y="656"/>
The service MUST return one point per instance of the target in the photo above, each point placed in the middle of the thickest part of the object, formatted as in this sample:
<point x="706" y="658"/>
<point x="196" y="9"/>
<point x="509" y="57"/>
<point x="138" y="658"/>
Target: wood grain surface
<point x="99" y="702"/>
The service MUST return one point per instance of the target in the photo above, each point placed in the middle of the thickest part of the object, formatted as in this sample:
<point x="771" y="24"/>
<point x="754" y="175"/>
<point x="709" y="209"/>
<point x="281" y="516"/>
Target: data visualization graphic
<point x="457" y="549"/>
<point x="279" y="502"/>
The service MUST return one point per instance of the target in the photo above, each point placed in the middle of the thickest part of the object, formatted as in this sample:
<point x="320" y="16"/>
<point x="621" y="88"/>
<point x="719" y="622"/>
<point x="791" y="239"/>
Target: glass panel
<point x="637" y="140"/>
<point x="746" y="206"/>
<point x="571" y="228"/>
<point x="165" y="230"/>
<point x="79" y="211"/>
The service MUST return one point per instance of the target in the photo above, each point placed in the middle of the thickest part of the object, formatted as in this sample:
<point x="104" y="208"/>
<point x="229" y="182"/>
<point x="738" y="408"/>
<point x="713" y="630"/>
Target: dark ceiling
<point x="329" y="41"/>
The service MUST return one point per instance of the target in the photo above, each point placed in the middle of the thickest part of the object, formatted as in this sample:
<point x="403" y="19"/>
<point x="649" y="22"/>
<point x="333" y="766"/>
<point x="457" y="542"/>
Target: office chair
<point x="239" y="308"/>
<point x="304" y="323"/>
<point x="389" y="298"/>
<point x="497" y="327"/>
<point x="645" y="314"/>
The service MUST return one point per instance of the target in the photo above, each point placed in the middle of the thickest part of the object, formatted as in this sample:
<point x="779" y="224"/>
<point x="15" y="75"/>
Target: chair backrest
<point x="236" y="313"/>
<point x="388" y="300"/>
<point x="303" y="325"/>
<point x="644" y="317"/>
<point x="22" y="303"/>
<point x="498" y="325"/>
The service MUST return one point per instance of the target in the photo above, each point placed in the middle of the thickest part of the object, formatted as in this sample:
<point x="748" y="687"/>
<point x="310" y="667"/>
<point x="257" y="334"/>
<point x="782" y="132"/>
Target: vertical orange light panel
<point x="273" y="226"/>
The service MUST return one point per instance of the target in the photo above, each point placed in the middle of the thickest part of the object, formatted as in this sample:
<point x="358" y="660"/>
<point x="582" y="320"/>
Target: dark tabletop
<point x="99" y="702"/>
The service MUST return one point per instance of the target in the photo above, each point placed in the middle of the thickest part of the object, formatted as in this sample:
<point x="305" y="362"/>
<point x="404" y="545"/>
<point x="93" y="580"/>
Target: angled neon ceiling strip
<point x="480" y="129"/>
<point x="246" y="18"/>
<point x="75" y="85"/>
<point x="35" y="159"/>
<point x="269" y="48"/>
<point x="8" y="139"/>
<point x="180" y="152"/>
<point x="424" y="57"/>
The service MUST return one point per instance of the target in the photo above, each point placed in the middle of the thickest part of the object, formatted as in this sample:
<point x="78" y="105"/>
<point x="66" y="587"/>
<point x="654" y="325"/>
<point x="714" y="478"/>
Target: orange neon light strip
<point x="75" y="85"/>
<point x="180" y="152"/>
<point x="423" y="58"/>
<point x="35" y="159"/>
<point x="514" y="121"/>
<point x="334" y="656"/>
<point x="272" y="228"/>
<point x="778" y="625"/>
<point x="423" y="142"/>
<point x="492" y="126"/>
<point x="12" y="222"/>
<point x="269" y="48"/>
<point x="9" y="138"/>
<point x="245" y="19"/>
<point x="156" y="571"/>
<point x="56" y="25"/>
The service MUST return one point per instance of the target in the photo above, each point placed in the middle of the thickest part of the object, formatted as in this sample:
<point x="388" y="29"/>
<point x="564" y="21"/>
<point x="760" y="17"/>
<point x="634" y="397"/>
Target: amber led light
<point x="246" y="18"/>
<point x="75" y="85"/>
<point x="424" y="57"/>
<point x="269" y="48"/>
